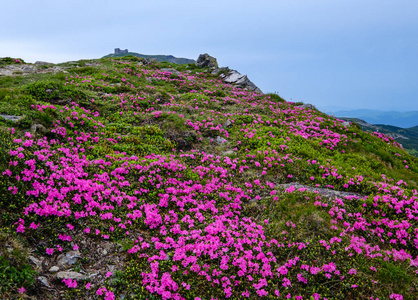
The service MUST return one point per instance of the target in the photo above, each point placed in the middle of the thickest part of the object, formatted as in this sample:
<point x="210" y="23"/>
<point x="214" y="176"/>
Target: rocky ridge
<point x="229" y="76"/>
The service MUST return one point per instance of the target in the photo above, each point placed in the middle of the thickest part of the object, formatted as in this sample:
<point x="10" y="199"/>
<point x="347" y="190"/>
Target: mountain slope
<point x="122" y="180"/>
<point x="393" y="118"/>
<point x="407" y="137"/>
<point x="159" y="58"/>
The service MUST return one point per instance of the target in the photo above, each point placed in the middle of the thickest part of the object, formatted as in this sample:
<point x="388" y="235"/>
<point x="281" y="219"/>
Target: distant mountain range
<point x="160" y="58"/>
<point x="394" y="118"/>
<point x="407" y="137"/>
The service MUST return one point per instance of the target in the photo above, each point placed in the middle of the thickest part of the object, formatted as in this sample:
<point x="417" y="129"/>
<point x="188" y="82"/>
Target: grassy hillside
<point x="407" y="137"/>
<point x="137" y="183"/>
<point x="158" y="58"/>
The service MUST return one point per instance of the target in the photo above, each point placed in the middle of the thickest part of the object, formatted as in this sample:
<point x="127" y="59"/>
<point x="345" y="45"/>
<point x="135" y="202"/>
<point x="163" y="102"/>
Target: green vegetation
<point x="10" y="61"/>
<point x="407" y="137"/>
<point x="175" y="184"/>
<point x="158" y="58"/>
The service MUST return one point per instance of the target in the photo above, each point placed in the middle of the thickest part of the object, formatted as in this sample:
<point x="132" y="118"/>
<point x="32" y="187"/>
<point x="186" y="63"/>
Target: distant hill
<point x="160" y="58"/>
<point x="407" y="137"/>
<point x="394" y="118"/>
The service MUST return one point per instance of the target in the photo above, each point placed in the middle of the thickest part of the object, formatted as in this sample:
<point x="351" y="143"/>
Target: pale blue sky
<point x="344" y="53"/>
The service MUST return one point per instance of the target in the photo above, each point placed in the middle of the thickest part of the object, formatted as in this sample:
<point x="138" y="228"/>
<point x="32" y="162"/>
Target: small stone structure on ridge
<point x="119" y="51"/>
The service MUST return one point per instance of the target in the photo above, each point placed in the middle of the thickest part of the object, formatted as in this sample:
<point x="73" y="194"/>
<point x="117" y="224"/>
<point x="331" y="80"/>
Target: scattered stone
<point x="327" y="193"/>
<point x="220" y="70"/>
<point x="58" y="69"/>
<point x="70" y="274"/>
<point x="37" y="128"/>
<point x="68" y="259"/>
<point x="29" y="69"/>
<point x="44" y="281"/>
<point x="220" y="140"/>
<point x="107" y="246"/>
<point x="307" y="105"/>
<point x="171" y="70"/>
<point x="35" y="261"/>
<point x="43" y="63"/>
<point x="93" y="275"/>
<point x="54" y="269"/>
<point x="111" y="268"/>
<point x="205" y="60"/>
<point x="229" y="152"/>
<point x="104" y="253"/>
<point x="144" y="62"/>
<point x="11" y="117"/>
<point x="227" y="124"/>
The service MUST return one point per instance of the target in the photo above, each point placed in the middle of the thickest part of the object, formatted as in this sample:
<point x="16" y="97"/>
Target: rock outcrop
<point x="227" y="75"/>
<point x="307" y="105"/>
<point x="70" y="274"/>
<point x="27" y="69"/>
<point x="11" y="117"/>
<point x="325" y="192"/>
<point x="235" y="78"/>
<point x="205" y="60"/>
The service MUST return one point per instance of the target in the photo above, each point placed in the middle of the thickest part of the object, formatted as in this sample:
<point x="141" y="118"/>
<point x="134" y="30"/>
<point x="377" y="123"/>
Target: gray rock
<point x="327" y="193"/>
<point x="43" y="63"/>
<point x="227" y="124"/>
<point x="11" y="117"/>
<point x="219" y="70"/>
<point x="236" y="79"/>
<point x="44" y="281"/>
<point x="68" y="259"/>
<point x="94" y="275"/>
<point x="37" y="128"/>
<point x="35" y="261"/>
<point x="72" y="275"/>
<point x="54" y="269"/>
<point x="229" y="152"/>
<point x="307" y="105"/>
<point x="144" y="62"/>
<point x="111" y="268"/>
<point x="171" y="70"/>
<point x="346" y="124"/>
<point x="29" y="69"/>
<point x="205" y="60"/>
<point x="220" y="140"/>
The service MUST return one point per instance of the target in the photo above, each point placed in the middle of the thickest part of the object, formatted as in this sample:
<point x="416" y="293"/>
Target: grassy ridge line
<point x="159" y="58"/>
<point x="183" y="172"/>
